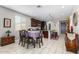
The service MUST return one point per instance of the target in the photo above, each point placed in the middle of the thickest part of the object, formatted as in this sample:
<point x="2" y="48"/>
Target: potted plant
<point x="8" y="32"/>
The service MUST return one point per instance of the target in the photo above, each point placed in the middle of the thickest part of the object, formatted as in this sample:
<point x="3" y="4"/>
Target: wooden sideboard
<point x="7" y="40"/>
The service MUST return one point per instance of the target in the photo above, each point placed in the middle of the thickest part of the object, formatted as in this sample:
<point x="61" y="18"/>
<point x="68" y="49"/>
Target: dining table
<point x="34" y="34"/>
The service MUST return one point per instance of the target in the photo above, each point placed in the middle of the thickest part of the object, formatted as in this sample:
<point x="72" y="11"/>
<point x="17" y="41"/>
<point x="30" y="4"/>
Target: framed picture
<point x="7" y="22"/>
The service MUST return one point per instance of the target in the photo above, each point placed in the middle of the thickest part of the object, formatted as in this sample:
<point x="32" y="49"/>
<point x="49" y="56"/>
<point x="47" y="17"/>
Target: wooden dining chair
<point x="71" y="42"/>
<point x="35" y="37"/>
<point x="39" y="39"/>
<point x="23" y="37"/>
<point x="30" y="40"/>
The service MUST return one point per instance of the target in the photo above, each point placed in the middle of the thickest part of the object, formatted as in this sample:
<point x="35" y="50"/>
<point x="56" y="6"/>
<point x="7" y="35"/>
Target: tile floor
<point x="49" y="47"/>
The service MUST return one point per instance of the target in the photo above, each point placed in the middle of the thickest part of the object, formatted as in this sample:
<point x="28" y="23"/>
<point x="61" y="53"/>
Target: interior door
<point x="63" y="27"/>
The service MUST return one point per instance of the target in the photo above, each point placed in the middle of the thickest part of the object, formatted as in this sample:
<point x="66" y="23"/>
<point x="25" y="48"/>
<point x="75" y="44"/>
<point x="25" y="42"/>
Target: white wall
<point x="6" y="13"/>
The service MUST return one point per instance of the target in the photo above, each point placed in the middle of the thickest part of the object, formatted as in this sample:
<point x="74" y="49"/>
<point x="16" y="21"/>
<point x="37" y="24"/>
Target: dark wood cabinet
<point x="45" y="33"/>
<point x="7" y="40"/>
<point x="38" y="23"/>
<point x="35" y="23"/>
<point x="43" y="23"/>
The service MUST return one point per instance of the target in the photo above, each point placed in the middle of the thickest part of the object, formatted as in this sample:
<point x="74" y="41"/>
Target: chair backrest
<point x="71" y="42"/>
<point x="34" y="29"/>
<point x="41" y="33"/>
<point x="22" y="33"/>
<point x="71" y="36"/>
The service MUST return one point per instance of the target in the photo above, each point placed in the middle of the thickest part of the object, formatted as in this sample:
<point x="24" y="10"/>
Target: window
<point x="20" y="22"/>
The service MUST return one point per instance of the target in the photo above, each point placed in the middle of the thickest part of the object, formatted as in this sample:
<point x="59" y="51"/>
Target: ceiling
<point x="44" y="12"/>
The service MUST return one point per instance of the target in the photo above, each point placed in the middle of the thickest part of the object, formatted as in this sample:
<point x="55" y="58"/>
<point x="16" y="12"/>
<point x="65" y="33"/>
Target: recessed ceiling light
<point x="62" y="6"/>
<point x="38" y="6"/>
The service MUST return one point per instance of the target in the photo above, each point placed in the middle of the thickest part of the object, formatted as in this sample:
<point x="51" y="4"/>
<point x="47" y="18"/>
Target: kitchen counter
<point x="48" y="34"/>
<point x="45" y="33"/>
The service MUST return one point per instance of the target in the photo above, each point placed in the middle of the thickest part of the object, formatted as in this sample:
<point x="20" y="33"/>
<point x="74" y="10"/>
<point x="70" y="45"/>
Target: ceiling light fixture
<point x="38" y="6"/>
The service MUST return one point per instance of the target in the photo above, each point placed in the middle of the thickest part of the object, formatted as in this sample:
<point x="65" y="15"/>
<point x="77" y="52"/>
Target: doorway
<point x="62" y="27"/>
